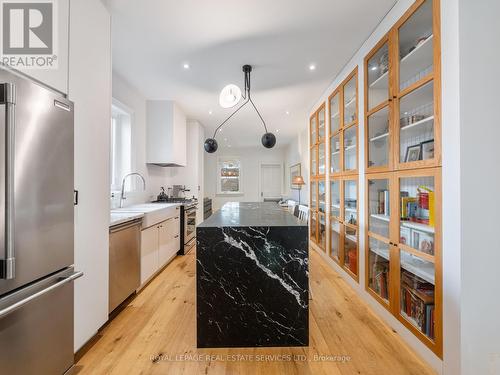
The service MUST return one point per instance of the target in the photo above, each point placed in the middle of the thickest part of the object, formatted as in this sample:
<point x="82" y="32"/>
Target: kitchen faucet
<point x="122" y="195"/>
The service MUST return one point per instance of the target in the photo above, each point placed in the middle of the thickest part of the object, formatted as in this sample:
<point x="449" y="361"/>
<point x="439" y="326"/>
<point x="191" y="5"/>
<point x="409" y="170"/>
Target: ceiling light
<point x="287" y="112"/>
<point x="185" y="66"/>
<point x="229" y="96"/>
<point x="277" y="130"/>
<point x="312" y="67"/>
<point x="210" y="112"/>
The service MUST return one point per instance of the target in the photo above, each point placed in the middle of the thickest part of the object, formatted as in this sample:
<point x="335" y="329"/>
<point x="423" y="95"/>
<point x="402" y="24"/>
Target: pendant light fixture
<point x="229" y="97"/>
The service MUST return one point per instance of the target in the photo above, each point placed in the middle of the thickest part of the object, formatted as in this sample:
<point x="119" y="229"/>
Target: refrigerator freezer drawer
<point x="37" y="324"/>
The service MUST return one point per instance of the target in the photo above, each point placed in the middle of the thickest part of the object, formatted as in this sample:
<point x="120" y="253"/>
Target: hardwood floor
<point x="156" y="334"/>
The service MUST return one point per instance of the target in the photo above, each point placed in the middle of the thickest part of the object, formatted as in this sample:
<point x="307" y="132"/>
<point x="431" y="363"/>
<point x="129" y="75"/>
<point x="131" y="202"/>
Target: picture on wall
<point x="295" y="171"/>
<point x="413" y="153"/>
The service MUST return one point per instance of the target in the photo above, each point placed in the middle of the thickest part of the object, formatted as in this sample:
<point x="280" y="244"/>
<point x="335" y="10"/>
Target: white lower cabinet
<point x="149" y="253"/>
<point x="159" y="244"/>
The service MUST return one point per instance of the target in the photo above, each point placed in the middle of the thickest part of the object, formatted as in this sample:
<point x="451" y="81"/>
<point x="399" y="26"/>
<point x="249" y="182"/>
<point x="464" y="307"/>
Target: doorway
<point x="270" y="181"/>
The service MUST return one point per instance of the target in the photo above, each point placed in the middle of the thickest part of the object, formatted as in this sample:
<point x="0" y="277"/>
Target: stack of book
<point x="417" y="302"/>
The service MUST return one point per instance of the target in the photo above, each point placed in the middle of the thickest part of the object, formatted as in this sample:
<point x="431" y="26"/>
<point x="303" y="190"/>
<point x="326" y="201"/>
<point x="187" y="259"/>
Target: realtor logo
<point x="28" y="34"/>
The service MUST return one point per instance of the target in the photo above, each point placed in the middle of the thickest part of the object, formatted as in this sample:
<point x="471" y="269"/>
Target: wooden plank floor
<point x="155" y="334"/>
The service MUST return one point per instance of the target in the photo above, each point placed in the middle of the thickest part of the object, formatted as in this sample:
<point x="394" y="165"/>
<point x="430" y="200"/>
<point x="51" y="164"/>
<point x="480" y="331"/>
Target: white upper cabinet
<point x="166" y="134"/>
<point x="57" y="78"/>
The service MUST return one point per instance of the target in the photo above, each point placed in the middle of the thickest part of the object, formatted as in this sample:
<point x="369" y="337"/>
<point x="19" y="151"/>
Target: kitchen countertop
<point x="136" y="211"/>
<point x="116" y="218"/>
<point x="252" y="214"/>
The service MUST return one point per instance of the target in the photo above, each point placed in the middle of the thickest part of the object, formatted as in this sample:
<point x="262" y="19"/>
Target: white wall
<point x="250" y="158"/>
<point x="479" y="48"/>
<point x="358" y="60"/>
<point x="90" y="89"/>
<point x="297" y="151"/>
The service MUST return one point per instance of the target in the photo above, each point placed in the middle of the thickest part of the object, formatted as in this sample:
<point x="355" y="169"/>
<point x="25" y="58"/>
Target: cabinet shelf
<point x="381" y="136"/>
<point x="417" y="60"/>
<point x="350" y="102"/>
<point x="381" y="82"/>
<point x="417" y="123"/>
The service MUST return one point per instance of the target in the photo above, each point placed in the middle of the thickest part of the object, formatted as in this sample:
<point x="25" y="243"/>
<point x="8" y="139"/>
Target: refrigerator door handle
<point x="26" y="300"/>
<point x="8" y="96"/>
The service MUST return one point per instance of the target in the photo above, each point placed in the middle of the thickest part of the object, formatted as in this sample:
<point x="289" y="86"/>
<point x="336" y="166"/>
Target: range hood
<point x="166" y="134"/>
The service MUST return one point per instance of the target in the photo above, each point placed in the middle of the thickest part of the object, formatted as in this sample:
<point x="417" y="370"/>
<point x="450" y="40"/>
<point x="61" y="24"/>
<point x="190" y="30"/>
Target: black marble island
<point x="252" y="278"/>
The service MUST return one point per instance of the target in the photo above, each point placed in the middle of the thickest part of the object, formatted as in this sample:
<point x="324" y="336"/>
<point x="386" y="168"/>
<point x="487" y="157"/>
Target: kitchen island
<point x="252" y="277"/>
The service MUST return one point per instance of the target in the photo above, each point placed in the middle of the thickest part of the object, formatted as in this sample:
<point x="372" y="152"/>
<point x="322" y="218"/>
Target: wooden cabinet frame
<point x="343" y="224"/>
<point x="395" y="94"/>
<point x="315" y="143"/>
<point x="395" y="170"/>
<point x="393" y="242"/>
<point x="343" y="127"/>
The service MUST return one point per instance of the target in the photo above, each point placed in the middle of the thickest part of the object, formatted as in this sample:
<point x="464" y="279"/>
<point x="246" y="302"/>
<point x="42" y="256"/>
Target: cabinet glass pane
<point x="314" y="203"/>
<point x="322" y="231"/>
<point x="378" y="267"/>
<point x="321" y="123"/>
<point x="350" y="202"/>
<point x="321" y="196"/>
<point x="416" y="125"/>
<point x="416" y="46"/>
<point x="351" y="249"/>
<point x="314" y="225"/>
<point x="335" y="157"/>
<point x="314" y="138"/>
<point x="350" y="101"/>
<point x="314" y="164"/>
<point x="378" y="77"/>
<point x="335" y="239"/>
<point x="350" y="148"/>
<point x="418" y="212"/>
<point x="334" y="113"/>
<point x="417" y="293"/>
<point x="378" y="138"/>
<point x="321" y="158"/>
<point x="378" y="206"/>
<point x="335" y="197"/>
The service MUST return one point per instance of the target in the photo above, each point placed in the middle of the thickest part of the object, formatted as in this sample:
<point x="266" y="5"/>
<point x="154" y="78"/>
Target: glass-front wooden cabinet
<point x="317" y="133"/>
<point x="344" y="223"/>
<point x="403" y="269"/>
<point x="343" y="104"/>
<point x="402" y="94"/>
<point x="343" y="166"/>
<point x="403" y="237"/>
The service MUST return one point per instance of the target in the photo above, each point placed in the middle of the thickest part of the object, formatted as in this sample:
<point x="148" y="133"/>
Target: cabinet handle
<point x="176" y="236"/>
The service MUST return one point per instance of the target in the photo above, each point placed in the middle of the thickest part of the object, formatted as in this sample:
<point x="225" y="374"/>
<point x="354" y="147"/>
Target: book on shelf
<point x="380" y="278"/>
<point x="417" y="301"/>
<point x="383" y="202"/>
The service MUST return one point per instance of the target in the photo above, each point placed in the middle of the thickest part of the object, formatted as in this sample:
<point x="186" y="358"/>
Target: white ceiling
<point x="152" y="39"/>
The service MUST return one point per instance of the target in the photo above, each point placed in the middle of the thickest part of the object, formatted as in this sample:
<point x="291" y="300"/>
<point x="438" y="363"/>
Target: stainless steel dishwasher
<point x="124" y="261"/>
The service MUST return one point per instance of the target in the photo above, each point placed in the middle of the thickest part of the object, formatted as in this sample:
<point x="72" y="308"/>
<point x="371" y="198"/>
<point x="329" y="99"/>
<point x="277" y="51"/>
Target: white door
<point x="270" y="181"/>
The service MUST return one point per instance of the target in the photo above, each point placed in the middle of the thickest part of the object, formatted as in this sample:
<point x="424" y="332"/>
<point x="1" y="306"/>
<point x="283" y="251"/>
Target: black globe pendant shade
<point x="268" y="140"/>
<point x="210" y="145"/>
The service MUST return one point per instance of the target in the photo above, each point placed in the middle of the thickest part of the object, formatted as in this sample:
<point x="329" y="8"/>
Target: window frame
<point x="220" y="162"/>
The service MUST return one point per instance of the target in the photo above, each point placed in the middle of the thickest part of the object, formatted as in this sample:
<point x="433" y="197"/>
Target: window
<point x="121" y="146"/>
<point x="229" y="176"/>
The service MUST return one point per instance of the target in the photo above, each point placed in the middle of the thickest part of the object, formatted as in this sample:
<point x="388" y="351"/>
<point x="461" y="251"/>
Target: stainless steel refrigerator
<point x="36" y="228"/>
